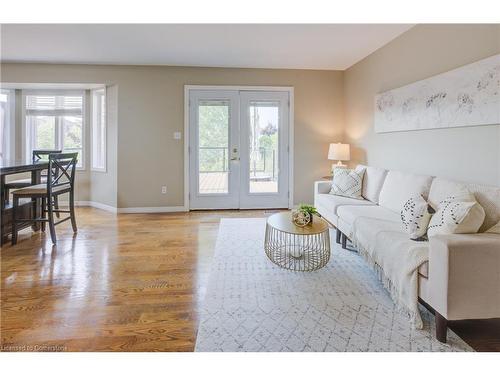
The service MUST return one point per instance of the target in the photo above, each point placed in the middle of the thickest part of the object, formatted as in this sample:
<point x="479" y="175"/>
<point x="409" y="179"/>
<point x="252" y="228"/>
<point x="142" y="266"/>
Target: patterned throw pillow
<point x="457" y="214"/>
<point x="415" y="216"/>
<point x="347" y="182"/>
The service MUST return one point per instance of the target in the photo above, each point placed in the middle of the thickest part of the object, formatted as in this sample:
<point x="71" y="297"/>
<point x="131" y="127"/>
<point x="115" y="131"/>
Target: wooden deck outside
<point x="216" y="183"/>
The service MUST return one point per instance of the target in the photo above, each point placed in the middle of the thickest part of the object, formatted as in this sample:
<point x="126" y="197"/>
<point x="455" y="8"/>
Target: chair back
<point x="62" y="167"/>
<point x="43" y="154"/>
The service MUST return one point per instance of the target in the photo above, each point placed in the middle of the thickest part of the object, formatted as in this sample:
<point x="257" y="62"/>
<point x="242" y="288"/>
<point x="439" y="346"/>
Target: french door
<point x="238" y="149"/>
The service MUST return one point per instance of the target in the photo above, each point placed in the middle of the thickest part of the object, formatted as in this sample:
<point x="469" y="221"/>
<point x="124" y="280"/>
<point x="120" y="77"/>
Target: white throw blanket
<point x="395" y="258"/>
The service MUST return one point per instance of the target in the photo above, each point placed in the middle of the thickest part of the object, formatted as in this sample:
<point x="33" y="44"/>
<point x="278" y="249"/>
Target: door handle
<point x="234" y="159"/>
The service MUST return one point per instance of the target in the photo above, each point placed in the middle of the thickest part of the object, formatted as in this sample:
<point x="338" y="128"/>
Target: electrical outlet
<point x="177" y="135"/>
<point x="164" y="190"/>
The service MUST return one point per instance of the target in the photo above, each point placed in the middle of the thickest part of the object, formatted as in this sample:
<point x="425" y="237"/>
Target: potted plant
<point x="311" y="210"/>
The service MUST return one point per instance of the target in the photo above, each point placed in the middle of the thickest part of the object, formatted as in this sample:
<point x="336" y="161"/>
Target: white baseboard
<point x="101" y="206"/>
<point x="146" y="210"/>
<point x="129" y="210"/>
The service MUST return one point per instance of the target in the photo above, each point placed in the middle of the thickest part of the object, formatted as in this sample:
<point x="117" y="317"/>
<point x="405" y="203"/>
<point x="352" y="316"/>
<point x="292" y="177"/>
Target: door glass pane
<point x="264" y="127"/>
<point x="213" y="147"/>
<point x="45" y="132"/>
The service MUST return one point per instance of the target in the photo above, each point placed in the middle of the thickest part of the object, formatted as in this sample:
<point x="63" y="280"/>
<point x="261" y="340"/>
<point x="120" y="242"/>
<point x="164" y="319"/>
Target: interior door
<point x="213" y="149"/>
<point x="264" y="149"/>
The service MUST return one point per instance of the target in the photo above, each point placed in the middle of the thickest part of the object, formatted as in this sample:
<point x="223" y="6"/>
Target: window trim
<point x="27" y="134"/>
<point x="10" y="130"/>
<point x="93" y="116"/>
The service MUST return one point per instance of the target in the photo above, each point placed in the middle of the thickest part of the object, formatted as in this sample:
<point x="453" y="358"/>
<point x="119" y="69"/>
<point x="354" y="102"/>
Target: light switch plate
<point x="177" y="135"/>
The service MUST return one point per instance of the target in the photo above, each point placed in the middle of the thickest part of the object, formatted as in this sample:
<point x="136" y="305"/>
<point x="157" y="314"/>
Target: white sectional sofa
<point x="460" y="278"/>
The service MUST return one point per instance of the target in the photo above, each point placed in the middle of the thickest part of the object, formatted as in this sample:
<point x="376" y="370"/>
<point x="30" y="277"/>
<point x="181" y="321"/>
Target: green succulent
<point x="311" y="210"/>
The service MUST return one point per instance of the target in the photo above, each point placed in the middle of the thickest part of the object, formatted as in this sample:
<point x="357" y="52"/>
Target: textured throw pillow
<point x="494" y="229"/>
<point x="348" y="182"/>
<point x="415" y="216"/>
<point x="457" y="214"/>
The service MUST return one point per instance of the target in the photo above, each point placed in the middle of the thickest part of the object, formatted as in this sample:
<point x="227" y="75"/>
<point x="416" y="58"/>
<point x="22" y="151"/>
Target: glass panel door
<point x="238" y="149"/>
<point x="263" y="146"/>
<point x="214" y="164"/>
<point x="264" y="149"/>
<point x="213" y="150"/>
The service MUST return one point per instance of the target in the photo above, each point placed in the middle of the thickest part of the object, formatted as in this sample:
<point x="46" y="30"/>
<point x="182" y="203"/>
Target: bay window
<point x="7" y="124"/>
<point x="98" y="130"/>
<point x="55" y="121"/>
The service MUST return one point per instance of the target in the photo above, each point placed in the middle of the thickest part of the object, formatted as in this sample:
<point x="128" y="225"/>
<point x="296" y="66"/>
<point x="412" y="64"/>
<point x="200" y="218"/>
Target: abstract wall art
<point x="466" y="96"/>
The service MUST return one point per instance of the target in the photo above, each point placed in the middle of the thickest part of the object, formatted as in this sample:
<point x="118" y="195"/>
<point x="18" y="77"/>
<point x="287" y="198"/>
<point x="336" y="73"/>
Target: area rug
<point x="253" y="305"/>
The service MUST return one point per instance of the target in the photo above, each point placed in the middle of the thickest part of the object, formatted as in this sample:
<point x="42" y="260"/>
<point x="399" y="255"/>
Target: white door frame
<point x="188" y="88"/>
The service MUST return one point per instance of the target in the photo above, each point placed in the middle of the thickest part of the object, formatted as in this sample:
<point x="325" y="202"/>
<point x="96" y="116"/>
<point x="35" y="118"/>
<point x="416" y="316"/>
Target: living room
<point x="340" y="194"/>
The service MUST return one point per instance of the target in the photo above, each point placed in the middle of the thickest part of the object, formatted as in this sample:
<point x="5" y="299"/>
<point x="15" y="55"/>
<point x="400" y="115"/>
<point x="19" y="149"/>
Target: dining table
<point x="28" y="208"/>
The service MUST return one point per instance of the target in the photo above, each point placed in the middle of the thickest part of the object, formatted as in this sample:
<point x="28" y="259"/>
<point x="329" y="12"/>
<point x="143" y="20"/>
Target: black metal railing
<point x="215" y="160"/>
<point x="210" y="160"/>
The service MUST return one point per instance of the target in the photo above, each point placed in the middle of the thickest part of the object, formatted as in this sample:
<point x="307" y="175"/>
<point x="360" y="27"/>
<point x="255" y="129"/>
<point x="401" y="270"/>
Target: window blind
<point x="54" y="105"/>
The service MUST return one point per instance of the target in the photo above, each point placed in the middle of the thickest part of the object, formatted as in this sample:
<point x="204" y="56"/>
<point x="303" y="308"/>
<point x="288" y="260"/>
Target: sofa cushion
<point x="373" y="235"/>
<point x="494" y="229"/>
<point x="349" y="214"/>
<point x="332" y="202"/>
<point x="423" y="270"/>
<point x="373" y="180"/>
<point x="487" y="196"/>
<point x="398" y="187"/>
<point x="348" y="182"/>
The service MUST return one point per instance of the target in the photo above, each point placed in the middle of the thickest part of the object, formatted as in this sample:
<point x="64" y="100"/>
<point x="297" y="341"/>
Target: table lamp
<point x="340" y="152"/>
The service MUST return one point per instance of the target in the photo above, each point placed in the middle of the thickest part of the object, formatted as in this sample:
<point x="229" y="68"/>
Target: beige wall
<point x="150" y="103"/>
<point x="103" y="184"/>
<point x="467" y="154"/>
<point x="146" y="106"/>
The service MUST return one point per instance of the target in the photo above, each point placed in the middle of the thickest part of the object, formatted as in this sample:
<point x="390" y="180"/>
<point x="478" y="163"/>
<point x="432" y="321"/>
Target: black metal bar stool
<point x="60" y="180"/>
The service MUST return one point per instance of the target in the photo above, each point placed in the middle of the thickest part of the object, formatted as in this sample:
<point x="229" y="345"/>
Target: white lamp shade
<point x="339" y="151"/>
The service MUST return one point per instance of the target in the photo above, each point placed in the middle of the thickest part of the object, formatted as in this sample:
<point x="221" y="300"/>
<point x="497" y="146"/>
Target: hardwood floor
<point x="130" y="282"/>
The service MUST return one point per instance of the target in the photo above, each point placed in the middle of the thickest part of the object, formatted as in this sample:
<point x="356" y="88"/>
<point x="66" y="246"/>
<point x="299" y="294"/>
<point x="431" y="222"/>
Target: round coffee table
<point x="297" y="248"/>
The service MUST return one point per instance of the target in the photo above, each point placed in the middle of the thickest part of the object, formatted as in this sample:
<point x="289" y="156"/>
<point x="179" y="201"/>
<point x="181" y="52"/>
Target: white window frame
<point x="96" y="124"/>
<point x="27" y="134"/>
<point x="9" y="136"/>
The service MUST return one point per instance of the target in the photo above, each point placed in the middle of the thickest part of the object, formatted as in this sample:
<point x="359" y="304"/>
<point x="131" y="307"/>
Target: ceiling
<point x="299" y="46"/>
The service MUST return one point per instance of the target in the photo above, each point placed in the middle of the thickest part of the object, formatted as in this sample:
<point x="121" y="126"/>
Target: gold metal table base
<point x="300" y="249"/>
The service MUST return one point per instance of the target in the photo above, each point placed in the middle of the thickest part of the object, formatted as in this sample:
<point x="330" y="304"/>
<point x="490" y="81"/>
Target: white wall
<point x="470" y="154"/>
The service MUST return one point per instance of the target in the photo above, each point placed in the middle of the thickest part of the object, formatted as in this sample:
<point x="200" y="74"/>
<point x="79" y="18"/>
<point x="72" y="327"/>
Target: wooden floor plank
<point x="129" y="282"/>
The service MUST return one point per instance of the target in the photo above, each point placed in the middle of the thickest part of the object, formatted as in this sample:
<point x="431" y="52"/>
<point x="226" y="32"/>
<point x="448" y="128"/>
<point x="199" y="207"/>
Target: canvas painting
<point x="466" y="96"/>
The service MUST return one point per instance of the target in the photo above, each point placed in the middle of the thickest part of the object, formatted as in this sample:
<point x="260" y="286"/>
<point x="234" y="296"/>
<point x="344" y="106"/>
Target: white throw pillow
<point x="457" y="214"/>
<point x="398" y="186"/>
<point x="415" y="216"/>
<point x="347" y="182"/>
<point x="494" y="229"/>
<point x="373" y="180"/>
